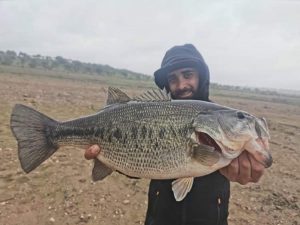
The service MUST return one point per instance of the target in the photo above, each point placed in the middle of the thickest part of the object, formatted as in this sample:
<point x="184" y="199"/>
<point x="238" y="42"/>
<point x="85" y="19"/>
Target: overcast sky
<point x="244" y="42"/>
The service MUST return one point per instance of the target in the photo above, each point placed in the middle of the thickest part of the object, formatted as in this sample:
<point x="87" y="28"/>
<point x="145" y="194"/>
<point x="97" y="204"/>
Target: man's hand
<point x="92" y="152"/>
<point x="243" y="169"/>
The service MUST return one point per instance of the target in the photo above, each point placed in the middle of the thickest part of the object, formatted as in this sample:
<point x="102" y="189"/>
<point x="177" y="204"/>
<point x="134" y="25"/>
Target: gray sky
<point x="244" y="42"/>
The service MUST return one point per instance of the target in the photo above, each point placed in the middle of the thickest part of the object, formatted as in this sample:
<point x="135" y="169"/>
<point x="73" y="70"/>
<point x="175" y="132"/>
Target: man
<point x="185" y="75"/>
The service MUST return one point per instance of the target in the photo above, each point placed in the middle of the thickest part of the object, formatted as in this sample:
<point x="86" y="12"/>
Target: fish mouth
<point x="205" y="139"/>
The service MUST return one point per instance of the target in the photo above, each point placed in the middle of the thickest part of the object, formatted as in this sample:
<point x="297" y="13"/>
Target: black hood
<point x="184" y="56"/>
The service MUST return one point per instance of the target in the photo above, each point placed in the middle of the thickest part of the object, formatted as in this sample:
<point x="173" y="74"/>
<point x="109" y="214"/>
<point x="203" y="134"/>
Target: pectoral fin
<point x="100" y="171"/>
<point x="181" y="187"/>
<point x="204" y="154"/>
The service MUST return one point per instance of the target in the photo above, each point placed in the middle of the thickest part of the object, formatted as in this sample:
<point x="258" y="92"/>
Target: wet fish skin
<point x="150" y="137"/>
<point x="145" y="141"/>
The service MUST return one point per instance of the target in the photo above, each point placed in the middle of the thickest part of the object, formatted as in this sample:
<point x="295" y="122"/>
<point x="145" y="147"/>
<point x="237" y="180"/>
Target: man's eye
<point x="171" y="79"/>
<point x="188" y="75"/>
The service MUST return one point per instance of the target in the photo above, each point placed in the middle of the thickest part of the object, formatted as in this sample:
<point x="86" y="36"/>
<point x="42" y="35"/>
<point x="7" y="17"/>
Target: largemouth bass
<point x="150" y="136"/>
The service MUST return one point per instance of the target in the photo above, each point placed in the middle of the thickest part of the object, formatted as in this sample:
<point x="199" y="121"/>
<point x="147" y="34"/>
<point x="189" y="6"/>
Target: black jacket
<point x="207" y="202"/>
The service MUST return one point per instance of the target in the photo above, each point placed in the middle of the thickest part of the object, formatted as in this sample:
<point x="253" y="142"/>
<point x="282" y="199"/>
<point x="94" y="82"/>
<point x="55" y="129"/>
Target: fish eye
<point x="240" y="115"/>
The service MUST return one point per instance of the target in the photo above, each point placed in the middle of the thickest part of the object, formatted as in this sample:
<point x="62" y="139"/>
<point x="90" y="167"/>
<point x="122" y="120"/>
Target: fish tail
<point x="33" y="131"/>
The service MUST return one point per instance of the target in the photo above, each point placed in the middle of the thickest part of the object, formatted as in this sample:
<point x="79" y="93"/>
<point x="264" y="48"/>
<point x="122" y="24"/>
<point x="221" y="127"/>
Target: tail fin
<point x="32" y="130"/>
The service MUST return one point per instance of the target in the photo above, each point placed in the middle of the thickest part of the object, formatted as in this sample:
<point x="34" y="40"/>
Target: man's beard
<point x="179" y="94"/>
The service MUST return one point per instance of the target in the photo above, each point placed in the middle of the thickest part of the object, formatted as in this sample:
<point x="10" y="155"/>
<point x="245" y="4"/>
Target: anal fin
<point x="181" y="187"/>
<point x="100" y="171"/>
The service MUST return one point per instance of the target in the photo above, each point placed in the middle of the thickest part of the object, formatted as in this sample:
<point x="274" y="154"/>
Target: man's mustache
<point x="183" y="91"/>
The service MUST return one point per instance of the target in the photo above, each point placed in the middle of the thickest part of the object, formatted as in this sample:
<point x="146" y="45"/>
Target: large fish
<point x="150" y="136"/>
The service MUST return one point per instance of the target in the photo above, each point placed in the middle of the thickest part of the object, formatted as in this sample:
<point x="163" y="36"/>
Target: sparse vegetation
<point x="61" y="191"/>
<point x="59" y="67"/>
<point x="60" y="64"/>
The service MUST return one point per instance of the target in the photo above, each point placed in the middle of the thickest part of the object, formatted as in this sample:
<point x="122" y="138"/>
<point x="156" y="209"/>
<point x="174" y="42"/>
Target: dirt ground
<point x="61" y="192"/>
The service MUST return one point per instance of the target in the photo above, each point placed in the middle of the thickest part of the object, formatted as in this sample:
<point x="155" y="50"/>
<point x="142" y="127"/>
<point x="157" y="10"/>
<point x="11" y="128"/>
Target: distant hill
<point x="58" y="63"/>
<point x="33" y="64"/>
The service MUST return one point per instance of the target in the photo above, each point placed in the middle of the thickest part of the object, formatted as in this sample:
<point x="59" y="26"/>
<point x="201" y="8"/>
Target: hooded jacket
<point x="207" y="202"/>
<point x="184" y="56"/>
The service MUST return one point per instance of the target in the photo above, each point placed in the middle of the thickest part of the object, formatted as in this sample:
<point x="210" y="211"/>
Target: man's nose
<point x="182" y="84"/>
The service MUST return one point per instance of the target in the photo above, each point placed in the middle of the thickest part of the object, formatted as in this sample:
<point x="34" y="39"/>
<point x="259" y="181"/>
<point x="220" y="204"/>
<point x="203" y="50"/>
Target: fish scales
<point x="141" y="137"/>
<point x="141" y="154"/>
<point x="145" y="137"/>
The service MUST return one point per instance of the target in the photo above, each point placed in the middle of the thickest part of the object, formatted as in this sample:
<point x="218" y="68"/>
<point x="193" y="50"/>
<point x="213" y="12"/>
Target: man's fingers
<point x="245" y="169"/>
<point x="224" y="171"/>
<point x="257" y="169"/>
<point x="92" y="152"/>
<point x="232" y="170"/>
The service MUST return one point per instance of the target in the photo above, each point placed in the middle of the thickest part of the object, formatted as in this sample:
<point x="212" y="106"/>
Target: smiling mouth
<point x="205" y="139"/>
<point x="185" y="94"/>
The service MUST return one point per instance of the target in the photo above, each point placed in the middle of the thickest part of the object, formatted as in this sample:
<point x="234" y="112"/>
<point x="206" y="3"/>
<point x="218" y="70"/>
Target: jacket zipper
<point x="219" y="210"/>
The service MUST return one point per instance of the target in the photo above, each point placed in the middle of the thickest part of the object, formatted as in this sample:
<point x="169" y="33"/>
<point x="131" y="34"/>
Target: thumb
<point x="92" y="152"/>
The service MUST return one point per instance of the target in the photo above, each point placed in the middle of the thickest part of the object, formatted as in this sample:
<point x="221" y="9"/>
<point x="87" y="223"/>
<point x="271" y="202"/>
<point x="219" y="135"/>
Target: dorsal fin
<point x="153" y="95"/>
<point x="115" y="95"/>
